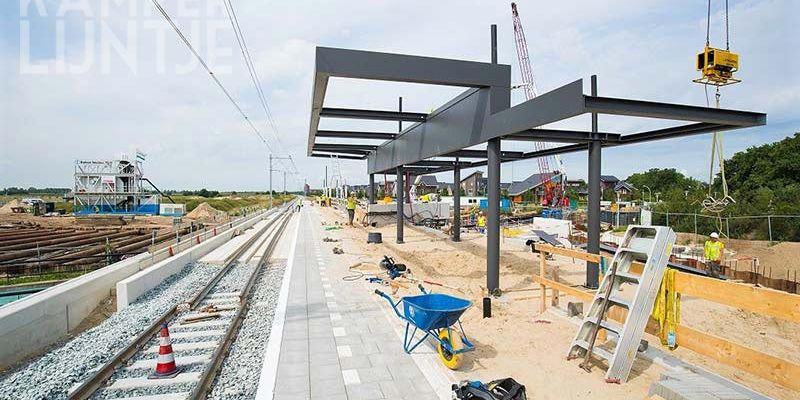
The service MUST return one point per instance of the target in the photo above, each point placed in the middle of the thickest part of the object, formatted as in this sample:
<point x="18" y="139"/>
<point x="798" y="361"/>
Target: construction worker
<point x="481" y="222"/>
<point x="713" y="252"/>
<point x="351" y="207"/>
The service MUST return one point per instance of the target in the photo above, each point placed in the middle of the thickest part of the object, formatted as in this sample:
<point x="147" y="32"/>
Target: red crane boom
<point x="552" y="190"/>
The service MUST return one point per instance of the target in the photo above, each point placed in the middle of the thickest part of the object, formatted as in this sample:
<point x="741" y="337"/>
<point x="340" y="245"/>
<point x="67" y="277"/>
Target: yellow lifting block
<point x="717" y="66"/>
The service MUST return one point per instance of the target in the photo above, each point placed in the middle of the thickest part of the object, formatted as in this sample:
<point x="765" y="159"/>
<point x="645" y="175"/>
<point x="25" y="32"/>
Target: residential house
<point x="623" y="189"/>
<point x="578" y="186"/>
<point x="474" y="185"/>
<point x="608" y="182"/>
<point x="426" y="184"/>
<point x="532" y="186"/>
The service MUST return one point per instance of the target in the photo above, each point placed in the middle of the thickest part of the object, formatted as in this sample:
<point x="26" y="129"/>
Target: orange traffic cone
<point x="165" y="365"/>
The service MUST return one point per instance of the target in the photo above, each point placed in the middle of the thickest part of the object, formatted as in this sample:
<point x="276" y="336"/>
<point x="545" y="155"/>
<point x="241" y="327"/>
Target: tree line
<point x="763" y="180"/>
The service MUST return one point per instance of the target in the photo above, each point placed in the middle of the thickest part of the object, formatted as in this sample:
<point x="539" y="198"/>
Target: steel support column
<point x="371" y="192"/>
<point x="493" y="189"/>
<point x="493" y="216"/>
<point x="595" y="194"/>
<point x="457" y="202"/>
<point x="399" y="188"/>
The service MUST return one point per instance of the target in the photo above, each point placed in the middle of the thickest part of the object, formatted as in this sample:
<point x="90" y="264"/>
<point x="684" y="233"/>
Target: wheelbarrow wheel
<point x="450" y="360"/>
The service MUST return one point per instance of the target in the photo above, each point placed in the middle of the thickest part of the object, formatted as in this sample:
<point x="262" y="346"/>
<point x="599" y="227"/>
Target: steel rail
<point x="205" y="384"/>
<point x="99" y="378"/>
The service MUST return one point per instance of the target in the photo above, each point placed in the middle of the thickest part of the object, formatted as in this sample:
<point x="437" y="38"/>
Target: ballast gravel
<point x="233" y="281"/>
<point x="52" y="375"/>
<point x="238" y="377"/>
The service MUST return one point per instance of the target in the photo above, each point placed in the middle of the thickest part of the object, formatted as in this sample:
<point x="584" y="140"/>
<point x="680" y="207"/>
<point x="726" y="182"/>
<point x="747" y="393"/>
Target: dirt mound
<point x="204" y="212"/>
<point x="6" y="209"/>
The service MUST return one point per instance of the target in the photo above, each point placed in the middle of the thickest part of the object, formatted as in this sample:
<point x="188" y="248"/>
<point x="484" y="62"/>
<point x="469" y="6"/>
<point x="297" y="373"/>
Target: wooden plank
<point x="569" y="290"/>
<point x="760" y="300"/>
<point x="554" y="300"/>
<point x="757" y="299"/>
<point x="582" y="255"/>
<point x="771" y="368"/>
<point x="542" y="266"/>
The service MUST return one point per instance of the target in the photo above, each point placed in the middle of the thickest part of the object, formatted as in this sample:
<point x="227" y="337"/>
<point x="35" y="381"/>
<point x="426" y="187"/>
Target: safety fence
<point x="775" y="228"/>
<point x="759" y="300"/>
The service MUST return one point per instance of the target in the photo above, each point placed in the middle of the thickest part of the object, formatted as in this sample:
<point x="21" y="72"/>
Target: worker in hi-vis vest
<point x="481" y="222"/>
<point x="713" y="252"/>
<point x="351" y="207"/>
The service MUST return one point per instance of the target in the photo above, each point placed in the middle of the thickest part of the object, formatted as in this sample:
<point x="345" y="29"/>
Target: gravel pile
<point x="241" y="370"/>
<point x="53" y="374"/>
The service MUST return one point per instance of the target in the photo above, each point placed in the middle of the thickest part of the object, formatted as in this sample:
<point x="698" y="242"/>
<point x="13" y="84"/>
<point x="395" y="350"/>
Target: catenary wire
<point x="248" y="59"/>
<point x="188" y="44"/>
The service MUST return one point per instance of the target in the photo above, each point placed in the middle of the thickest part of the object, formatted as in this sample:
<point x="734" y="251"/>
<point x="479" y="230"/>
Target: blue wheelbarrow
<point x="435" y="314"/>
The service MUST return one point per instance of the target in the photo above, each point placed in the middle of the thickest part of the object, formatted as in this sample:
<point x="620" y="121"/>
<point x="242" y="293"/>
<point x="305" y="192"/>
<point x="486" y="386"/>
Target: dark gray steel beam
<point x="595" y="195"/>
<point x="356" y="153"/>
<point x="343" y="157"/>
<point x="677" y="112"/>
<point x="357" y="135"/>
<point x="474" y="117"/>
<point x="343" y="146"/>
<point x="641" y="137"/>
<point x="420" y="170"/>
<point x="358" y="64"/>
<point x="371" y="189"/>
<point x="456" y="227"/>
<point x="673" y="132"/>
<point x="560" y="136"/>
<point x="378" y="115"/>
<point x="399" y="186"/>
<point x="439" y="163"/>
<point x="482" y="154"/>
<point x="556" y="105"/>
<point x="555" y="150"/>
<point x="493" y="217"/>
<point x="493" y="160"/>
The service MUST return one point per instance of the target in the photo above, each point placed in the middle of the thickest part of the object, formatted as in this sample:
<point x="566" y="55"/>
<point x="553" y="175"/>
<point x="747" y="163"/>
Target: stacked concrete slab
<point x="688" y="385"/>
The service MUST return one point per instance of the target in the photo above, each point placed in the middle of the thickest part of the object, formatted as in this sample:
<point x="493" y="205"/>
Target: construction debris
<point x="200" y="317"/>
<point x="10" y="206"/>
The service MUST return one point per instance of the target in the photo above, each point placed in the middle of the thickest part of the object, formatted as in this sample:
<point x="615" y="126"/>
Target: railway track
<point x="200" y="347"/>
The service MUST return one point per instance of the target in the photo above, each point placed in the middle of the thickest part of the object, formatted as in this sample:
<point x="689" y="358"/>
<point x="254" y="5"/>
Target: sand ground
<point x="513" y="344"/>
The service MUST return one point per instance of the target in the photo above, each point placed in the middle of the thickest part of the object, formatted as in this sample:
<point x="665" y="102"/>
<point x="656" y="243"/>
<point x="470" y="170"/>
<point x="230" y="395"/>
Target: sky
<point x="94" y="79"/>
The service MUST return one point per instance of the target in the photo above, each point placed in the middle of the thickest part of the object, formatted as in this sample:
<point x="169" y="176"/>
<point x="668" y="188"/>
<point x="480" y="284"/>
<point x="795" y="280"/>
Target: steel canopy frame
<point x="468" y="120"/>
<point x="482" y="114"/>
<point x="344" y="63"/>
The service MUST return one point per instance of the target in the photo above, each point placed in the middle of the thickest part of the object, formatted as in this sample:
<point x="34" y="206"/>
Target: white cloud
<point x="195" y="138"/>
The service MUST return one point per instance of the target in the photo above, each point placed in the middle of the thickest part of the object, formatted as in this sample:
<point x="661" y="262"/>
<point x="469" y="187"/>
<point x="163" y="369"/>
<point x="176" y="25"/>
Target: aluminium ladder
<point x="651" y="246"/>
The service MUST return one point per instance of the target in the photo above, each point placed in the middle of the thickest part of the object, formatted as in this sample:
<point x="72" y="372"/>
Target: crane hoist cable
<point x="717" y="67"/>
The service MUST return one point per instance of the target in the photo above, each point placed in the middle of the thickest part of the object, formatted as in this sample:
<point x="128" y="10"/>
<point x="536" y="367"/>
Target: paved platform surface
<point x="337" y="341"/>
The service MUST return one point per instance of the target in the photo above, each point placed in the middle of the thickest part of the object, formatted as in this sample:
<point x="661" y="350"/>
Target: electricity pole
<point x="271" y="157"/>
